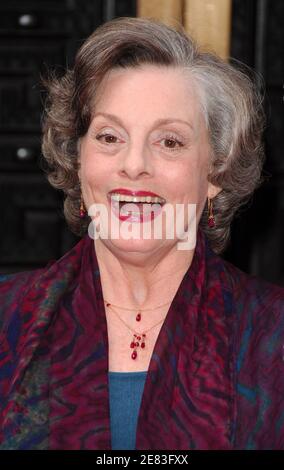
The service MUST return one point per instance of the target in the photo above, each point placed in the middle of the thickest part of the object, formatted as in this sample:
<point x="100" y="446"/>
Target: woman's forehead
<point x="148" y="74"/>
<point x="163" y="91"/>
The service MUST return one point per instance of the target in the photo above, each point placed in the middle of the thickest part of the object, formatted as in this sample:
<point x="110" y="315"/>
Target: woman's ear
<point x="79" y="145"/>
<point x="79" y="158"/>
<point x="213" y="190"/>
<point x="79" y="170"/>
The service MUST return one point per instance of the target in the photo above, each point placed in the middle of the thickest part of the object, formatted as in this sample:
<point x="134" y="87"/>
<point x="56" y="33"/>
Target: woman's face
<point x="129" y="146"/>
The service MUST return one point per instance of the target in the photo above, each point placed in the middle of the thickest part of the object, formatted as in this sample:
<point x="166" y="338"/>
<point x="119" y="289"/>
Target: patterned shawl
<point x="215" y="379"/>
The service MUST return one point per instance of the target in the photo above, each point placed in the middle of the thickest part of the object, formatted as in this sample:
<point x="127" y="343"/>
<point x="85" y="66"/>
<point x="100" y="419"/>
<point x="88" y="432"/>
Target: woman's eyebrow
<point x="156" y="123"/>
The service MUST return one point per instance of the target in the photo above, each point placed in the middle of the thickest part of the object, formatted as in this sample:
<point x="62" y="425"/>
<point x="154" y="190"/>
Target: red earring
<point x="82" y="209"/>
<point x="211" y="219"/>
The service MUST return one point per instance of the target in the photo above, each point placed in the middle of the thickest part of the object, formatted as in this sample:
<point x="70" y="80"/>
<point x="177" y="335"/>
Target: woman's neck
<point x="144" y="283"/>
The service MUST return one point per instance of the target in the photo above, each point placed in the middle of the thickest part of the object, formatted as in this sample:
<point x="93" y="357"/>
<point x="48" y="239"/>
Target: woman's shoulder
<point x="17" y="280"/>
<point x="257" y="305"/>
<point x="35" y="286"/>
<point x="238" y="282"/>
<point x="246" y="286"/>
<point x="257" y="321"/>
<point x="248" y="297"/>
<point x="14" y="286"/>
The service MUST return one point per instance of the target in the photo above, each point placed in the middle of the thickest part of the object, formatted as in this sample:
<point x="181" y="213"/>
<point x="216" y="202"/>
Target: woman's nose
<point x="136" y="161"/>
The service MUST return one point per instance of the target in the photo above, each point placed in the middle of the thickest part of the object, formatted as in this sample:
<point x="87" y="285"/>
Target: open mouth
<point x="136" y="210"/>
<point x="138" y="207"/>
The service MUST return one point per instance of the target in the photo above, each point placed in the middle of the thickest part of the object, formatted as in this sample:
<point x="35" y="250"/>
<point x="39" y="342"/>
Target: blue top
<point x="125" y="392"/>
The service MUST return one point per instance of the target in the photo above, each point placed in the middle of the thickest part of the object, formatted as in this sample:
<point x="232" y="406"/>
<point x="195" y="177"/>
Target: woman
<point x="136" y="343"/>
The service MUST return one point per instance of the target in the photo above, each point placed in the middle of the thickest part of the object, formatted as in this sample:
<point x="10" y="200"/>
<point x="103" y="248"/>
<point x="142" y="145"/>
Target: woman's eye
<point x="171" y="143"/>
<point x="109" y="138"/>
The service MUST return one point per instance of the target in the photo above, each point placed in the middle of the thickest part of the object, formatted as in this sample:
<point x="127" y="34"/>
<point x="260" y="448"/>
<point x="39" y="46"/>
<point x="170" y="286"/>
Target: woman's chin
<point x="135" y="245"/>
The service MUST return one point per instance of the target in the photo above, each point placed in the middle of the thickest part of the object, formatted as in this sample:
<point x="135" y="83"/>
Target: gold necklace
<point x="138" y="339"/>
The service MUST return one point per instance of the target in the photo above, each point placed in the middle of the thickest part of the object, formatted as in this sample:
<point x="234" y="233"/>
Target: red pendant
<point x="138" y="316"/>
<point x="211" y="222"/>
<point x="135" y="343"/>
<point x="134" y="355"/>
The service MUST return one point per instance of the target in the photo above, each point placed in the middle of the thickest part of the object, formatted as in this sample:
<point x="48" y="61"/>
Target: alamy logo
<point x="151" y="221"/>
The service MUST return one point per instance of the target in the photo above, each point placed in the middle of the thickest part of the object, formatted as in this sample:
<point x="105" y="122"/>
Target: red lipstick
<point x="142" y="217"/>
<point x="129" y="192"/>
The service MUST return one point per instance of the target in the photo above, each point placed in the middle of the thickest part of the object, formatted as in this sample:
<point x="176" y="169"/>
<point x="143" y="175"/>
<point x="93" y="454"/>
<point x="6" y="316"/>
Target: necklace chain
<point x="137" y="337"/>
<point x="131" y="329"/>
<point x="137" y="308"/>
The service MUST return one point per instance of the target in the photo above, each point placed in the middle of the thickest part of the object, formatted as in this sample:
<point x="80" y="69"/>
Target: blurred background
<point x="38" y="35"/>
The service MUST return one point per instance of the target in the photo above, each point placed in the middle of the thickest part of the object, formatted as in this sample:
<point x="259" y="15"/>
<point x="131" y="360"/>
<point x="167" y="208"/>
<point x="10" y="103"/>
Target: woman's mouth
<point x="135" y="208"/>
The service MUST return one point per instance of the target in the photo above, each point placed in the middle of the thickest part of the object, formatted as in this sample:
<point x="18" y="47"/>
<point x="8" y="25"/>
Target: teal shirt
<point x="125" y="394"/>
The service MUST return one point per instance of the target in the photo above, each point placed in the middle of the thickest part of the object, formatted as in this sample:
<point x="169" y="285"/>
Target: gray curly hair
<point x="231" y="104"/>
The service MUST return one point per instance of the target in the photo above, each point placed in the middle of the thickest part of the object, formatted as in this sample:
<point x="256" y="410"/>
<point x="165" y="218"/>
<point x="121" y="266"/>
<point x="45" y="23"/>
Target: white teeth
<point x="122" y="198"/>
<point x="130" y="213"/>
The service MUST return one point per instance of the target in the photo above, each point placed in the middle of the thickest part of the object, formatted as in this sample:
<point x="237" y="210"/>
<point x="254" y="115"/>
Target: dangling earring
<point x="211" y="219"/>
<point x="82" y="209"/>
